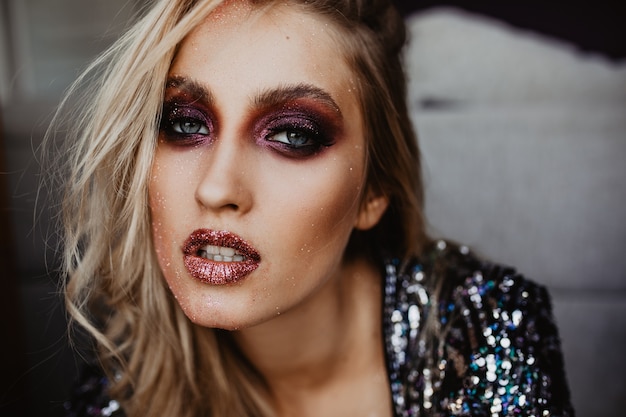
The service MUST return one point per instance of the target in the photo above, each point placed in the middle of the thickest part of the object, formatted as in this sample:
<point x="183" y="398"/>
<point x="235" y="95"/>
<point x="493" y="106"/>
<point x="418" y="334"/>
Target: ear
<point x="371" y="211"/>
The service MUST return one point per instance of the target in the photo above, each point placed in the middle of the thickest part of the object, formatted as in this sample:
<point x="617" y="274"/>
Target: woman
<point x="244" y="232"/>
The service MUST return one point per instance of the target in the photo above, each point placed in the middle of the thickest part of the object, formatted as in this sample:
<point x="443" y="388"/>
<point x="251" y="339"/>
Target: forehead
<point x="277" y="42"/>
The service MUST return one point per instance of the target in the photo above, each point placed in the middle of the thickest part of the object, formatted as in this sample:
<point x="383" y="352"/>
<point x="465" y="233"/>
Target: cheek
<point x="167" y="191"/>
<point x="321" y="211"/>
<point x="161" y="229"/>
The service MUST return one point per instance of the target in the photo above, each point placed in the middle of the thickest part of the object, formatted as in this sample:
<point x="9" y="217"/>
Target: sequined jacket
<point x="463" y="338"/>
<point x="466" y="337"/>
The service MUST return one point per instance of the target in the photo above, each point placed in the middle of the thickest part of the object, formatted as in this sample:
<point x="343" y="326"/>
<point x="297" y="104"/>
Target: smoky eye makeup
<point x="294" y="121"/>
<point x="185" y="123"/>
<point x="186" y="116"/>
<point x="297" y="131"/>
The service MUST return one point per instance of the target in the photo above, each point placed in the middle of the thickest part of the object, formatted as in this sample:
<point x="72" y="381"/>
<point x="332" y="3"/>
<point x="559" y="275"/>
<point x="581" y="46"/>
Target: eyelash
<point x="312" y="138"/>
<point x="176" y="118"/>
<point x="281" y="133"/>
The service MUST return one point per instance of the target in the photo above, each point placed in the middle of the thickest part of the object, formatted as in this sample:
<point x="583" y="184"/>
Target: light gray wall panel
<point x="593" y="333"/>
<point x="539" y="187"/>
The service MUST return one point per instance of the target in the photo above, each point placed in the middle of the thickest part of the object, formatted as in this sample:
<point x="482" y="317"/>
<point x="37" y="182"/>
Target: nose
<point x="224" y="183"/>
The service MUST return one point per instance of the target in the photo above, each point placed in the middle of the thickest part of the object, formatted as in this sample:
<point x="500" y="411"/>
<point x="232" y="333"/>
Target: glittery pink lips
<point x="202" y="258"/>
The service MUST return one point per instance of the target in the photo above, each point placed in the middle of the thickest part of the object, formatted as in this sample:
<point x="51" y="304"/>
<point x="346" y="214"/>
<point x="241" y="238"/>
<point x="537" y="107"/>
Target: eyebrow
<point x="271" y="97"/>
<point x="288" y="93"/>
<point x="191" y="87"/>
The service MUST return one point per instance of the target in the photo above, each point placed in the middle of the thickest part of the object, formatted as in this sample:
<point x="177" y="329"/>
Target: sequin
<point x="496" y="353"/>
<point x="90" y="397"/>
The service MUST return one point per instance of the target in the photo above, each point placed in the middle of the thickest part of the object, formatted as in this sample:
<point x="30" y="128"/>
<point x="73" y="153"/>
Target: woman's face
<point x="259" y="170"/>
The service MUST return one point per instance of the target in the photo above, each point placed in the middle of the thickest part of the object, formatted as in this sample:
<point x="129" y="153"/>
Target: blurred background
<point x="521" y="113"/>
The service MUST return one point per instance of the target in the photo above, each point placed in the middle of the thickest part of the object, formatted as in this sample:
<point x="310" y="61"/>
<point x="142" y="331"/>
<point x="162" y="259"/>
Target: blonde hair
<point x="114" y="287"/>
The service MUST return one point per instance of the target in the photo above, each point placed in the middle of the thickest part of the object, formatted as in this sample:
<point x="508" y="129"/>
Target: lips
<point x="218" y="257"/>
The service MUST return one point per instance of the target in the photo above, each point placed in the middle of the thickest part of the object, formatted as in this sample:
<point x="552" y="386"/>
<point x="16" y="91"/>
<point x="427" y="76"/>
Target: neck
<point x="331" y="340"/>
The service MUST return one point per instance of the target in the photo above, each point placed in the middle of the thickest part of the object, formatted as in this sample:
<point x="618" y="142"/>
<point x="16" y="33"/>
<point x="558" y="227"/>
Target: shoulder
<point x="484" y="306"/>
<point x="487" y="340"/>
<point x="485" y="295"/>
<point x="90" y="396"/>
<point x="500" y="342"/>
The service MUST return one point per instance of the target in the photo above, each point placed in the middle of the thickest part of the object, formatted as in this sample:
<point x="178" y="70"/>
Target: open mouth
<point x="220" y="254"/>
<point x="219" y="257"/>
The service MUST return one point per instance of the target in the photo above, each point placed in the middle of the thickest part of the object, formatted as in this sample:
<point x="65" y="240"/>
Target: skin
<point x="303" y="302"/>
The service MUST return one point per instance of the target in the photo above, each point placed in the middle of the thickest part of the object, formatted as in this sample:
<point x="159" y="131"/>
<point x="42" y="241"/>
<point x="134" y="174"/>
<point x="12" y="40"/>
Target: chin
<point x="230" y="320"/>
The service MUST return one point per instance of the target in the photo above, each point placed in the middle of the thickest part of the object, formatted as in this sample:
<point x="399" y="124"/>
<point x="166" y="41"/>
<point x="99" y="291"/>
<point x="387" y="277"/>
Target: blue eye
<point x="293" y="138"/>
<point x="185" y="125"/>
<point x="189" y="127"/>
<point x="297" y="134"/>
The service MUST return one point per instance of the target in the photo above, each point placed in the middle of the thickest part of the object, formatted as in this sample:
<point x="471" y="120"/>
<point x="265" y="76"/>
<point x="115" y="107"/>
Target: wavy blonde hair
<point x="158" y="362"/>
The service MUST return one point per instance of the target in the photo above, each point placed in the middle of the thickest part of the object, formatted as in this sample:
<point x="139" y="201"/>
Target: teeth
<point x="227" y="251"/>
<point x="220" y="254"/>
